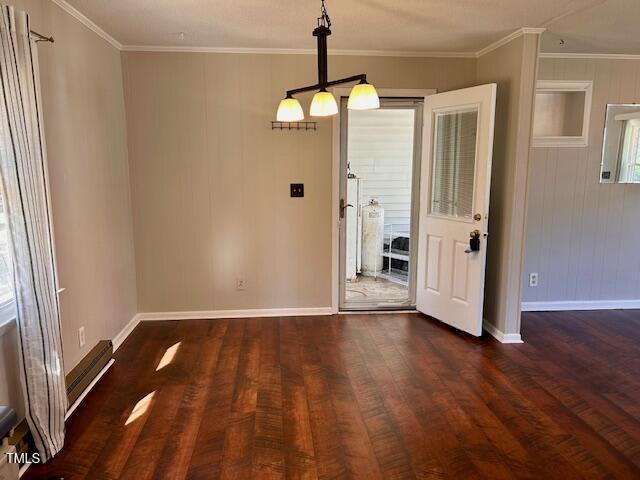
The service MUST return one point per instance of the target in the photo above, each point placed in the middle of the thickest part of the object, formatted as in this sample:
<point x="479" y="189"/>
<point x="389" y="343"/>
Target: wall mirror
<point x="621" y="146"/>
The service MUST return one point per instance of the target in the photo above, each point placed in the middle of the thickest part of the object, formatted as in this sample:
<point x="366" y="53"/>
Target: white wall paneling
<point x="381" y="155"/>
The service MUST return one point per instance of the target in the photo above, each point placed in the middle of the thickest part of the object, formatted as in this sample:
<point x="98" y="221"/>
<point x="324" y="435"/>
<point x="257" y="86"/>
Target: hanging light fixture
<point x="363" y="96"/>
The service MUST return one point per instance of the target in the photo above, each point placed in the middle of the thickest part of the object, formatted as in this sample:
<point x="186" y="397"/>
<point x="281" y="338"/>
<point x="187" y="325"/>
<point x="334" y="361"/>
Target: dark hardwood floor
<point x="363" y="396"/>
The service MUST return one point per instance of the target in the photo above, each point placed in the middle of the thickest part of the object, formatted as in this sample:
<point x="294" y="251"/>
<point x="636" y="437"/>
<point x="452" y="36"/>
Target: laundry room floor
<point x="372" y="289"/>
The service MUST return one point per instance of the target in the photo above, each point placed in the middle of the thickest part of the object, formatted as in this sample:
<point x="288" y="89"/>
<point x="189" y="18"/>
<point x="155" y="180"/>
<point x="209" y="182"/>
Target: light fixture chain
<point x="323" y="19"/>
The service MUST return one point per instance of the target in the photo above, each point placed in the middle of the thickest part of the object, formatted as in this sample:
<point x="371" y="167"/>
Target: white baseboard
<point x="124" y="333"/>
<point x="580" y="305"/>
<point x="214" y="314"/>
<point x="501" y="336"/>
<point x="374" y="312"/>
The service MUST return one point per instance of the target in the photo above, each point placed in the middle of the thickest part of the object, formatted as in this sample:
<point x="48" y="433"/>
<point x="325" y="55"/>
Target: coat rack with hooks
<point x="294" y="125"/>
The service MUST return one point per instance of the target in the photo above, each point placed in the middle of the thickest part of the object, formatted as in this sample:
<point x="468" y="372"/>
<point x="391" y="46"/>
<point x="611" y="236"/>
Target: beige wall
<point x="210" y="179"/>
<point x="513" y="68"/>
<point x="582" y="235"/>
<point x="85" y="131"/>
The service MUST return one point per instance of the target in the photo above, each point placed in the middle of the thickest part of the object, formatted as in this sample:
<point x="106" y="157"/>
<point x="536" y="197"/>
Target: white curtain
<point x="24" y="183"/>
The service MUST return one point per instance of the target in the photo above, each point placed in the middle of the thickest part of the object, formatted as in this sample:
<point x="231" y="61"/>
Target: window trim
<point x="7" y="315"/>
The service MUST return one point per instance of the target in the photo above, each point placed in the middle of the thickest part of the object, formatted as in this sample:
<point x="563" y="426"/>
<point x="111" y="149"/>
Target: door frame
<point x="335" y="179"/>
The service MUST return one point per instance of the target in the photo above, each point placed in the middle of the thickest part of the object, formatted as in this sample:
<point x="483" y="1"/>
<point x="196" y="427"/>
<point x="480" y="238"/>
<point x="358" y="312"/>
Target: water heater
<point x="372" y="238"/>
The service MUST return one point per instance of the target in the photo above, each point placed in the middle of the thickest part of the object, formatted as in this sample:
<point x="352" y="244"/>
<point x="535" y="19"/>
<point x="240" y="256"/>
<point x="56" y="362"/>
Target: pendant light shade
<point x="323" y="104"/>
<point x="363" y="97"/>
<point x="289" y="110"/>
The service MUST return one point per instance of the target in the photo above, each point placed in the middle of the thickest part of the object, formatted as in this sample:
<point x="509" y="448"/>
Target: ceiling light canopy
<point x="363" y="96"/>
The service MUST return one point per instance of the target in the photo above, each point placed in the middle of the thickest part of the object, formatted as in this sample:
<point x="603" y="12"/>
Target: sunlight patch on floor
<point x="168" y="356"/>
<point x="141" y="407"/>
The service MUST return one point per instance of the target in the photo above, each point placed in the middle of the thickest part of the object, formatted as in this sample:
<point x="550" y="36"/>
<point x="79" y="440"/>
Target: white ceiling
<point x="604" y="26"/>
<point x="586" y="26"/>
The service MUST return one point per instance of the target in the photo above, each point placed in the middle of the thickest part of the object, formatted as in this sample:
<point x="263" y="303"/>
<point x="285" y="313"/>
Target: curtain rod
<point x="41" y="38"/>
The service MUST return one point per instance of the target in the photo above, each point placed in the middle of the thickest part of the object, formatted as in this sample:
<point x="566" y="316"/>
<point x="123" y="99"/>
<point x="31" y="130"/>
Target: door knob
<point x="343" y="207"/>
<point x="474" y="241"/>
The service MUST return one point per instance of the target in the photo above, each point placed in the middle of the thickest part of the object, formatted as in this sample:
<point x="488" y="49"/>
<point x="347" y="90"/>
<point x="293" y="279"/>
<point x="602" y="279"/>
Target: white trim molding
<point x="91" y="25"/>
<point x="563" y="86"/>
<point x="6" y="325"/>
<point x="83" y="19"/>
<point x="601" y="56"/>
<point x="296" y="51"/>
<point x="7" y="315"/>
<point x="499" y="335"/>
<point x="507" y="39"/>
<point x="312" y="51"/>
<point x="563" y="306"/>
<point x="376" y="312"/>
<point x="249" y="313"/>
<point x="125" y="332"/>
<point x="87" y="22"/>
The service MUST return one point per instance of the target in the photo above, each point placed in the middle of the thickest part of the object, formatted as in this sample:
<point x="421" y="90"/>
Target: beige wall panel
<point x="513" y="68"/>
<point x="581" y="234"/>
<point x="210" y="179"/>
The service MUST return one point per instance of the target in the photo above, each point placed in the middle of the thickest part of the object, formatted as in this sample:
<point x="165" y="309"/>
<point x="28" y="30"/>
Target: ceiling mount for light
<point x="363" y="96"/>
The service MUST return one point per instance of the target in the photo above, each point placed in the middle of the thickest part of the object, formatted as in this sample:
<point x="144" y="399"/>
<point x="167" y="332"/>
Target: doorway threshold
<point x="378" y="310"/>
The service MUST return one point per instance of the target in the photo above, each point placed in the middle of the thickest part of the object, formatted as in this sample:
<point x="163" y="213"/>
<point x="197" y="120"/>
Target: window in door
<point x="454" y="163"/>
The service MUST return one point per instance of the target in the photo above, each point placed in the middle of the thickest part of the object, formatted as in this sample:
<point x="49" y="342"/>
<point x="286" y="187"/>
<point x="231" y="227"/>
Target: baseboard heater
<point x="77" y="381"/>
<point x="83" y="374"/>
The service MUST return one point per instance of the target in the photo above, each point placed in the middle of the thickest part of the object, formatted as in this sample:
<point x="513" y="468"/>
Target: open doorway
<point x="380" y="152"/>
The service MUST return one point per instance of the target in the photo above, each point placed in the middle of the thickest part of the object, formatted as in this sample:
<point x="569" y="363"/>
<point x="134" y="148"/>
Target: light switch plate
<point x="297" y="190"/>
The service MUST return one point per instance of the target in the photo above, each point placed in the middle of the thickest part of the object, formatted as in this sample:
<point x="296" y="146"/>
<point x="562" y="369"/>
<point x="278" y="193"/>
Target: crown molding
<point x="312" y="51"/>
<point x="508" y="38"/>
<point x="295" y="51"/>
<point x="377" y="53"/>
<point x="87" y="22"/>
<point x="287" y="51"/>
<point x="75" y="13"/>
<point x="602" y="56"/>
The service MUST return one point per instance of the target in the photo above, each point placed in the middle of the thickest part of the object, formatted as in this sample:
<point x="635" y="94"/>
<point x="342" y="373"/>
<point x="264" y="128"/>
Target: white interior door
<point x="454" y="205"/>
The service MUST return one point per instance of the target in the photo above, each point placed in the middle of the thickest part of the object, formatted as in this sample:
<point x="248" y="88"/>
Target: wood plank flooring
<point x="363" y="396"/>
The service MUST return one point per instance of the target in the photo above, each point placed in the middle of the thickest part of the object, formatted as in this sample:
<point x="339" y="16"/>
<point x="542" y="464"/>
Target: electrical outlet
<point x="533" y="279"/>
<point x="81" y="338"/>
<point x="240" y="285"/>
